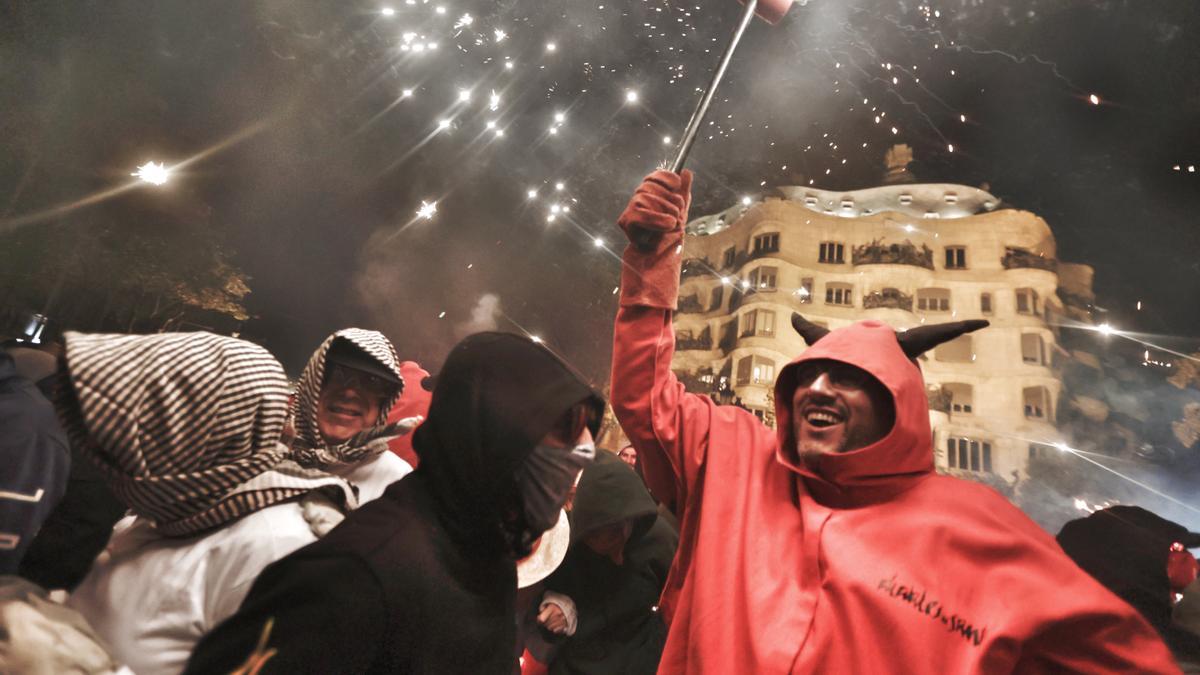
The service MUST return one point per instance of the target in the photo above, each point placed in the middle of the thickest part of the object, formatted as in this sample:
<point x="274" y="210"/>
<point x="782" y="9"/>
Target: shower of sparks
<point x="499" y="35"/>
<point x="154" y="173"/>
<point x="464" y="21"/>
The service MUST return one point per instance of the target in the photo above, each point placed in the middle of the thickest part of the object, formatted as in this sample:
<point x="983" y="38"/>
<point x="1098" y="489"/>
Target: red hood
<point x="882" y="469"/>
<point x="414" y="400"/>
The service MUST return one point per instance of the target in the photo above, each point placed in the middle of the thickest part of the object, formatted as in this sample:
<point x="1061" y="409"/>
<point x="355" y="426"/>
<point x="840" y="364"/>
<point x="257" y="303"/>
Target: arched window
<point x="933" y="300"/>
<point x="1037" y="403"/>
<point x="959" y="350"/>
<point x="962" y="397"/>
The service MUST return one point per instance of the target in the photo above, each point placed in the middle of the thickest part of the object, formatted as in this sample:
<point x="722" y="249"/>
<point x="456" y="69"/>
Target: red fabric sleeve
<point x="1115" y="641"/>
<point x="668" y="426"/>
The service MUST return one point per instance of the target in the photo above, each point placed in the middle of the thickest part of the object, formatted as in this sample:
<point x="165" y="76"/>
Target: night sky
<point x="324" y="121"/>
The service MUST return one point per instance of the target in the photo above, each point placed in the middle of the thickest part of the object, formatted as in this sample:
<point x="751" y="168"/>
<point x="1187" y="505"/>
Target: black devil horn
<point x="917" y="341"/>
<point x="808" y="330"/>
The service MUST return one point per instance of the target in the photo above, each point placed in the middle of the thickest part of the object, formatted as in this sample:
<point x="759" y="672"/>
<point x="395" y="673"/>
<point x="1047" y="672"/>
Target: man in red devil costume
<point x="831" y="545"/>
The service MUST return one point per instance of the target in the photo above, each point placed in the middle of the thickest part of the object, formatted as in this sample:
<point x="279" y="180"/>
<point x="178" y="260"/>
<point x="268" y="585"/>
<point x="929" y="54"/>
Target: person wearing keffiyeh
<point x="186" y="429"/>
<point x="424" y="578"/>
<point x="339" y="411"/>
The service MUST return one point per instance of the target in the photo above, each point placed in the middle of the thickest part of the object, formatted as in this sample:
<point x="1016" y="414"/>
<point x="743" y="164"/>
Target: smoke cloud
<point x="483" y="316"/>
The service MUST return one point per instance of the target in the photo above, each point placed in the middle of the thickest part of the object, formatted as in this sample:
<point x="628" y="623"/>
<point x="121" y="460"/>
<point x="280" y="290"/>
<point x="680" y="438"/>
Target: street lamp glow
<point x="631" y="96"/>
<point x="1106" y="329"/>
<point x="746" y="201"/>
<point x="598" y="242"/>
<point x="154" y="173"/>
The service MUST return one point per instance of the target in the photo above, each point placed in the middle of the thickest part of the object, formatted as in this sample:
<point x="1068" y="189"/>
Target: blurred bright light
<point x="427" y="210"/>
<point x="631" y="96"/>
<point x="387" y="11"/>
<point x="154" y="173"/>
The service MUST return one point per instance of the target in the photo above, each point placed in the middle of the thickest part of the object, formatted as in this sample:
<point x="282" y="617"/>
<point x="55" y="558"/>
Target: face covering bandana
<point x="544" y="481"/>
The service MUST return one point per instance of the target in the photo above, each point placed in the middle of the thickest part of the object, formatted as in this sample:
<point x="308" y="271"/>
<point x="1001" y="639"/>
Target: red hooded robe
<point x="879" y="565"/>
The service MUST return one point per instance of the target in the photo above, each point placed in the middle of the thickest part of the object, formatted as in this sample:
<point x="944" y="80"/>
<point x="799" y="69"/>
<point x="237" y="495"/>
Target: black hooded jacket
<point x="619" y="628"/>
<point x="420" y="580"/>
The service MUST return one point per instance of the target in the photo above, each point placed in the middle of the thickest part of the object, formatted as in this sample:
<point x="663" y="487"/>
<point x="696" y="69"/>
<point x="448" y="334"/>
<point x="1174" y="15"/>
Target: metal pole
<point x="689" y="136"/>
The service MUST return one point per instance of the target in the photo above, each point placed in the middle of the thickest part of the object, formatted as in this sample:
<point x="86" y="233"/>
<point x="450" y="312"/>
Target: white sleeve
<point x="566" y="604"/>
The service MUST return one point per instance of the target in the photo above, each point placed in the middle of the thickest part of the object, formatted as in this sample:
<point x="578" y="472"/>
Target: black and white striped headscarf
<point x="186" y="426"/>
<point x="309" y="448"/>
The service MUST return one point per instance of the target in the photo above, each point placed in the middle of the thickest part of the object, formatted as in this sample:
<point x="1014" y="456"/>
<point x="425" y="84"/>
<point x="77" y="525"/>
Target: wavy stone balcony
<point x="1015" y="259"/>
<point x="878" y="253"/>
<point x="888" y="298"/>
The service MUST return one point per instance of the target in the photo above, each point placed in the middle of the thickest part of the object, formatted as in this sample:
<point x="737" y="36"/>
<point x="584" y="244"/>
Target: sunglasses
<point x="341" y="376"/>
<point x="841" y="375"/>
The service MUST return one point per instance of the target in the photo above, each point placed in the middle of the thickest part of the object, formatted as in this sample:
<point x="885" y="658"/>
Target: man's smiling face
<point x="838" y="408"/>
<point x="349" y="403"/>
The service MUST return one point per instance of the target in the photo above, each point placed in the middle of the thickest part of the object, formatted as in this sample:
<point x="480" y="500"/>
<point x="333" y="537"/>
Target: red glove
<point x="659" y="205"/>
<point x="654" y="222"/>
<point x="1182" y="568"/>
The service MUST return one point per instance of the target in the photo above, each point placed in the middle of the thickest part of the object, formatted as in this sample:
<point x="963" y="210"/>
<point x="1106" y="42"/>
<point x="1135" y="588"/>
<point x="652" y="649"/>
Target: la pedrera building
<point x="902" y="253"/>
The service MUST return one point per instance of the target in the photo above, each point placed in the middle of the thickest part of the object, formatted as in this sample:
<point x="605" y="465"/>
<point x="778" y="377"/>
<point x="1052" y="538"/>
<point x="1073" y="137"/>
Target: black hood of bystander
<point x="497" y="395"/>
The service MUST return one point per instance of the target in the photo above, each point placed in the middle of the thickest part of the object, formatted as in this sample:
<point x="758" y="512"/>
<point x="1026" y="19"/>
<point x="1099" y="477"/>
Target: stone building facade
<point x="905" y="254"/>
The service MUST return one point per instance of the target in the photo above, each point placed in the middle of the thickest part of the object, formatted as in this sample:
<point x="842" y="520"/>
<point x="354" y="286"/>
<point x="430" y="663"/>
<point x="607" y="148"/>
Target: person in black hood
<point x="621" y="551"/>
<point x="423" y="579"/>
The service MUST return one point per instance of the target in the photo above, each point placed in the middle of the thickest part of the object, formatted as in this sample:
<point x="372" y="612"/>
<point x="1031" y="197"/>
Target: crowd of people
<point x="170" y="503"/>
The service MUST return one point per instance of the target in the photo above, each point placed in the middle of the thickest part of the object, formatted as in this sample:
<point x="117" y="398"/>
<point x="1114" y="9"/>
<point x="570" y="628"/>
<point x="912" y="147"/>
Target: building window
<point x="905" y="199"/>
<point x="1033" y="349"/>
<point x="763" y="278"/>
<point x="969" y="455"/>
<point x="810" y="201"/>
<point x="847" y="203"/>
<point x="932" y="214"/>
<point x="959" y="350"/>
<point x="729" y="258"/>
<point x="951" y="198"/>
<point x="956" y="257"/>
<point x="1037" y="402"/>
<point x="718" y="296"/>
<point x="985" y="303"/>
<point x="1040" y="450"/>
<point x="839" y="294"/>
<point x="805" y="292"/>
<point x="832" y="252"/>
<point x="759" y="323"/>
<point x="763" y="371"/>
<point x="743" y="371"/>
<point x="1027" y="301"/>
<point x="766" y="243"/>
<point x="933" y="300"/>
<point x="962" y="397"/>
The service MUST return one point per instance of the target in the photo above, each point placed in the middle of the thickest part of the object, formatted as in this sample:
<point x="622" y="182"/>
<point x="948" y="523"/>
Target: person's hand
<point x="659" y="205"/>
<point x="552" y="619"/>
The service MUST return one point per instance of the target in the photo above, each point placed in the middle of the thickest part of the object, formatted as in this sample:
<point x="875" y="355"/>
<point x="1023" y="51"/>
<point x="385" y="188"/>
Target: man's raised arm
<point x="668" y="426"/>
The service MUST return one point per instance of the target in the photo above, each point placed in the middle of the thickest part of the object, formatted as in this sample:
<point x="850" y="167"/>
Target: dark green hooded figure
<point x="614" y="519"/>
